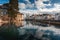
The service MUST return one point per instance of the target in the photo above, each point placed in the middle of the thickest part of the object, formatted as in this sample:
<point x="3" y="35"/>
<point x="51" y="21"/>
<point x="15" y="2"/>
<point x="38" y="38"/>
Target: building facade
<point x="19" y="17"/>
<point x="57" y="16"/>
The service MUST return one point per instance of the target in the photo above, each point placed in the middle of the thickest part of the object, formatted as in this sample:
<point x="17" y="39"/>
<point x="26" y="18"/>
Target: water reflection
<point x="8" y="31"/>
<point x="38" y="24"/>
<point x="19" y="23"/>
<point x="1" y="23"/>
<point x="57" y="26"/>
<point x="28" y="30"/>
<point x="40" y="31"/>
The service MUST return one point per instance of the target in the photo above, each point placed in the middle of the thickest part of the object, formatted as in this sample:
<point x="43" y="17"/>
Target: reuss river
<point x="28" y="30"/>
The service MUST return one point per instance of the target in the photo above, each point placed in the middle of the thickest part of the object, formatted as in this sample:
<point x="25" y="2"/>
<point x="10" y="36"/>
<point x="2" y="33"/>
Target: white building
<point x="39" y="18"/>
<point x="57" y="17"/>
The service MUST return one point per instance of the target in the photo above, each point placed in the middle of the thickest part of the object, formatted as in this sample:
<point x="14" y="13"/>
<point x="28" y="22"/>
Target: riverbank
<point x="53" y="22"/>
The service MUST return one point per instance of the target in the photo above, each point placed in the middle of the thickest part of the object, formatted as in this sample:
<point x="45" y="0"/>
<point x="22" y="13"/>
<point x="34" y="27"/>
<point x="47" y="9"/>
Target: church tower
<point x="14" y="4"/>
<point x="13" y="8"/>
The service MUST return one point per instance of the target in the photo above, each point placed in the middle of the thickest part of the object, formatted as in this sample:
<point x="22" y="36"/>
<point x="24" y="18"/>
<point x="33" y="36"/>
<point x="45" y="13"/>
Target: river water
<point x="28" y="30"/>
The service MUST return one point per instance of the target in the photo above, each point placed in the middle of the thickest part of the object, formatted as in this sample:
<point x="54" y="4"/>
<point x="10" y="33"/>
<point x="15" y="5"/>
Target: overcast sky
<point x="37" y="6"/>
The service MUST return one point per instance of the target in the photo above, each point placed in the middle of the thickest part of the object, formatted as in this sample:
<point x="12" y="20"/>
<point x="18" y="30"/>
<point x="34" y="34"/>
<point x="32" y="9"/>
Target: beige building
<point x="19" y="17"/>
<point x="5" y="18"/>
<point x="50" y="17"/>
<point x="19" y="24"/>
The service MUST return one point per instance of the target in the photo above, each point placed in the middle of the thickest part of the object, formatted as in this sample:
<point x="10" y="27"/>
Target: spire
<point x="13" y="8"/>
<point x="14" y="4"/>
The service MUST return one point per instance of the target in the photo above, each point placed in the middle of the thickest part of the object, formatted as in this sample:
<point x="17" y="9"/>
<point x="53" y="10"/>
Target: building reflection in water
<point x="38" y="24"/>
<point x="4" y="22"/>
<point x="21" y="31"/>
<point x="1" y="24"/>
<point x="19" y="23"/>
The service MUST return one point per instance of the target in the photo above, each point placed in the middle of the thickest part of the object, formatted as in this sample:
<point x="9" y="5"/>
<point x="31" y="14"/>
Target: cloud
<point x="27" y="1"/>
<point x="41" y="7"/>
<point x="0" y="4"/>
<point x="57" y="6"/>
<point x="39" y="4"/>
<point x="22" y="6"/>
<point x="48" y="4"/>
<point x="28" y="11"/>
<point x="28" y="5"/>
<point x="46" y="0"/>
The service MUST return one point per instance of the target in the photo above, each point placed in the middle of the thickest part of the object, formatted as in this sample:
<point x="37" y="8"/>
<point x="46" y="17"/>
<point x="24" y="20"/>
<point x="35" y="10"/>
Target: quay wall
<point x="53" y="22"/>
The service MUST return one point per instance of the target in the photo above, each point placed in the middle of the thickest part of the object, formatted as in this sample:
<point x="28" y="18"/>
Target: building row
<point x="44" y="16"/>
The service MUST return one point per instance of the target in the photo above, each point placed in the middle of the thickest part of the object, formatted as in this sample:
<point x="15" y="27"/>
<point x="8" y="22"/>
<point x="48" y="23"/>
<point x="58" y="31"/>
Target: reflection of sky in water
<point x="48" y="32"/>
<point x="32" y="31"/>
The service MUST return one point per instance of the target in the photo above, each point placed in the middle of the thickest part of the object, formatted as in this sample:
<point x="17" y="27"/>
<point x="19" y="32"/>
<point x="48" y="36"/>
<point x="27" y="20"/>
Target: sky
<point x="37" y="6"/>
